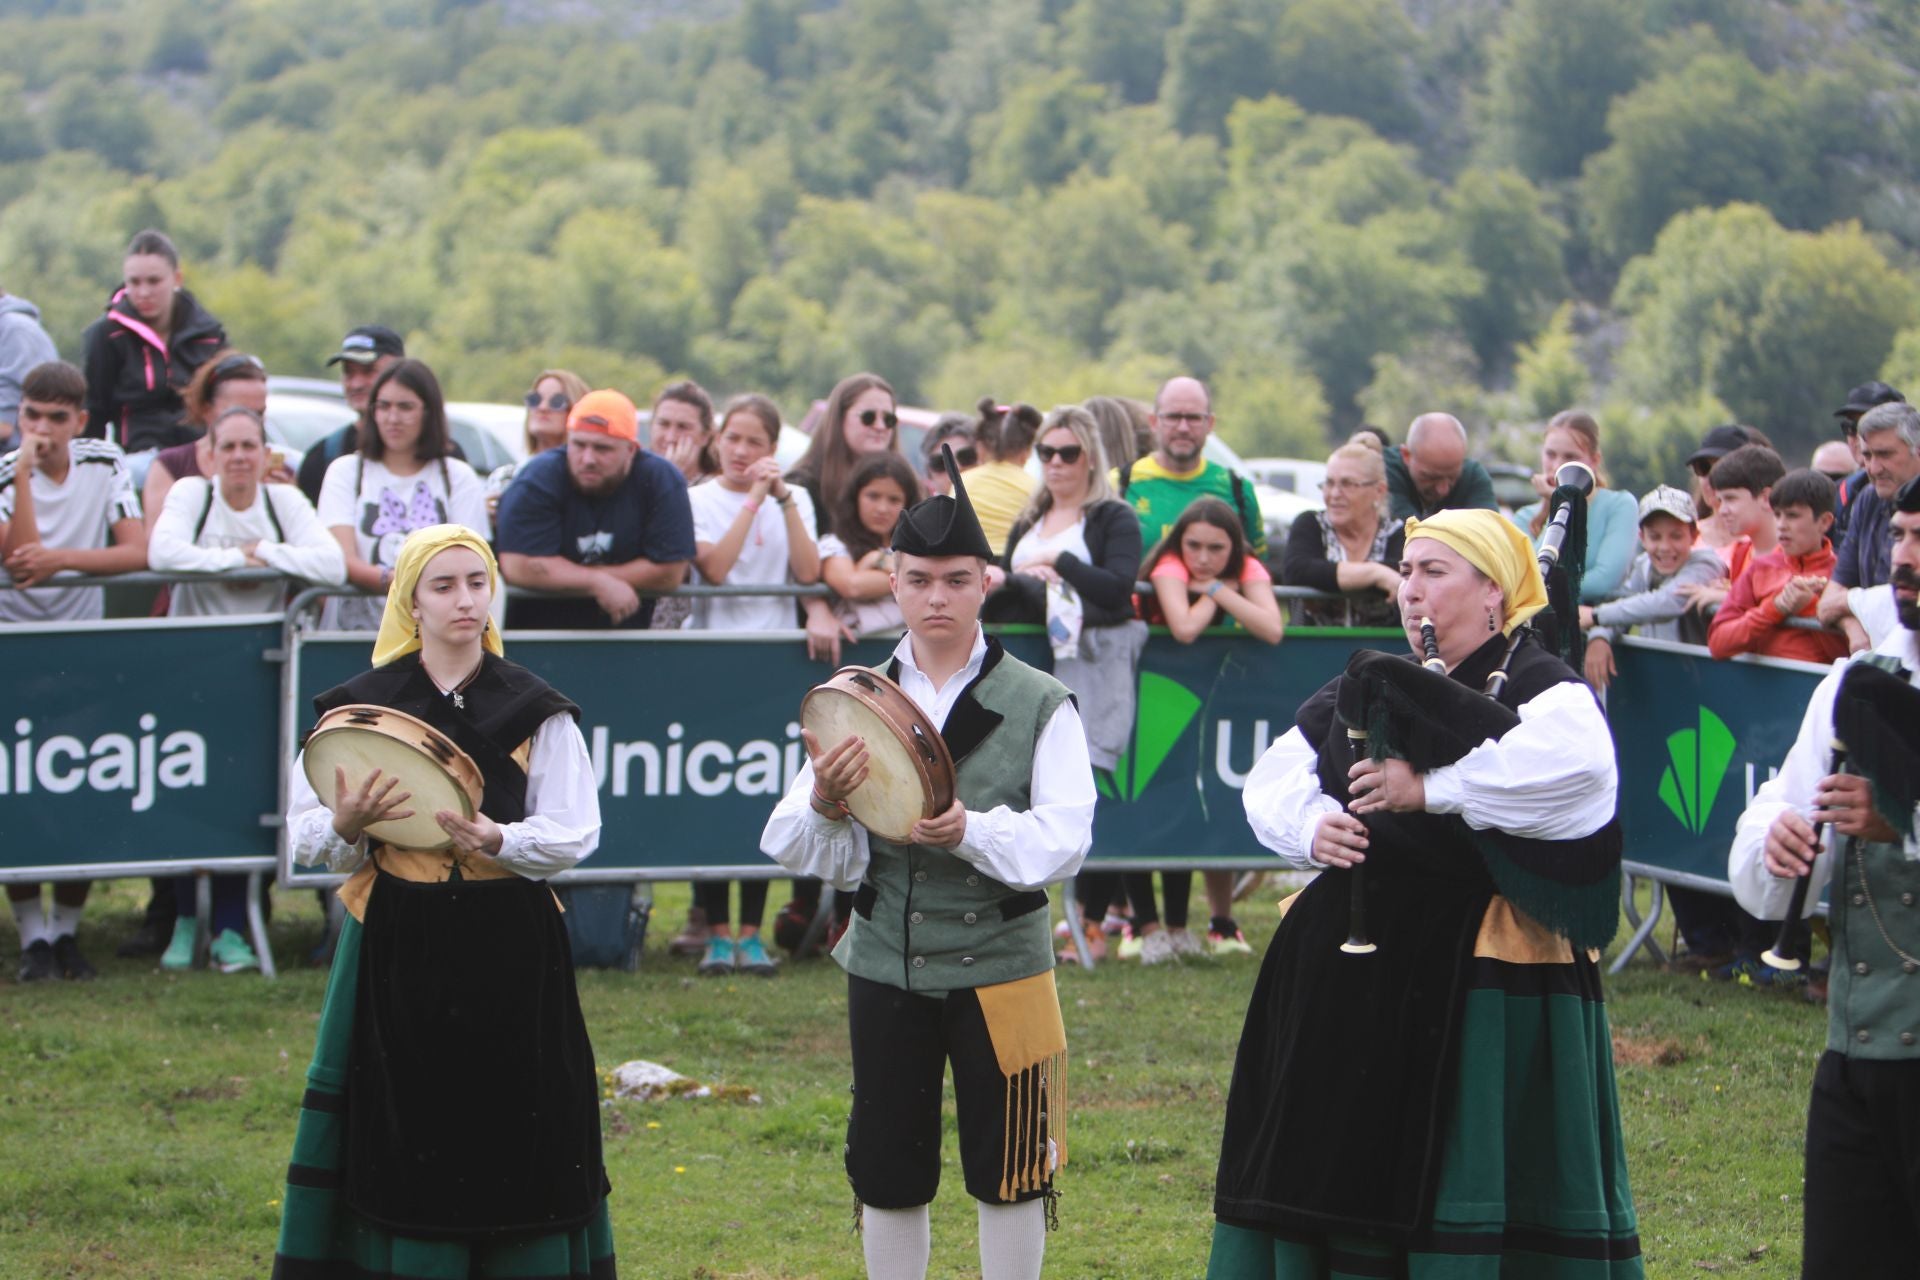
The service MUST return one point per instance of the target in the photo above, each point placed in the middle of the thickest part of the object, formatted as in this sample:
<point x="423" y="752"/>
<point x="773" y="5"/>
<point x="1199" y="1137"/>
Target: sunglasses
<point x="1067" y="453"/>
<point x="869" y="416"/>
<point x="557" y="402"/>
<point x="967" y="457"/>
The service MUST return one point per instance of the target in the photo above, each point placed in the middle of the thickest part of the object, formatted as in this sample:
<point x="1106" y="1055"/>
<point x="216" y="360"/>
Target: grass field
<point x="146" y="1119"/>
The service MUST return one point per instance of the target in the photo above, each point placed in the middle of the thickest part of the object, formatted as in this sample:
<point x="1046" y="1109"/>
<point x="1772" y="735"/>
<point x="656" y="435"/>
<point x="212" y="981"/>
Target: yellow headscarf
<point x="1495" y="546"/>
<point x="399" y="633"/>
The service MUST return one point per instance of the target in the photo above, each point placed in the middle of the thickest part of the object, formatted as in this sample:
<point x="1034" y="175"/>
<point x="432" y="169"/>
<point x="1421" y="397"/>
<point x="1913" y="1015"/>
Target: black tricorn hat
<point x="942" y="525"/>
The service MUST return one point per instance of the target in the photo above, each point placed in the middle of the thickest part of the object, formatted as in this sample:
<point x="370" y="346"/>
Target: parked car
<point x="1300" y="476"/>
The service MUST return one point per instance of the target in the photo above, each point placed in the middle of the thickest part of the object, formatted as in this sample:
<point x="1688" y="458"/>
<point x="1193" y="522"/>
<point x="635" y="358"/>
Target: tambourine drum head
<point x="360" y="749"/>
<point x="893" y="797"/>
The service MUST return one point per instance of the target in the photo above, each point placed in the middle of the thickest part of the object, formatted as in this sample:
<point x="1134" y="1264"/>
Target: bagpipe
<point x="1876" y="730"/>
<point x="1419" y="713"/>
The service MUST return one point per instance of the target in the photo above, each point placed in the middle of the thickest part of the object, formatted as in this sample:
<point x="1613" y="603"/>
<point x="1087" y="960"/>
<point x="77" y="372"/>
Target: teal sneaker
<point x="751" y="956"/>
<point x="719" y="959"/>
<point x="179" y="952"/>
<point x="231" y="953"/>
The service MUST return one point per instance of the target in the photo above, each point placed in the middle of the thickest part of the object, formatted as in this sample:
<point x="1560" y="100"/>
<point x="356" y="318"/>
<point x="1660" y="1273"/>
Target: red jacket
<point x="1748" y="622"/>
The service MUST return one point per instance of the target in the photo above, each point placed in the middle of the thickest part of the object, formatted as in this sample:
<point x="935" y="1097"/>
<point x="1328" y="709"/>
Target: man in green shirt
<point x="1164" y="483"/>
<point x="1159" y="487"/>
<point x="1432" y="472"/>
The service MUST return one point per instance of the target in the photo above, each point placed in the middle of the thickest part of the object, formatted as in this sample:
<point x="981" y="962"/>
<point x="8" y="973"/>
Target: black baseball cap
<point x="1720" y="442"/>
<point x="368" y="343"/>
<point x="1866" y="396"/>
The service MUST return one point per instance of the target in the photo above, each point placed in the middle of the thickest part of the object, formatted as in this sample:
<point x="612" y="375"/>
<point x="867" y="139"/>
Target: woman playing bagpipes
<point x="451" y="1123"/>
<point x="1436" y="1097"/>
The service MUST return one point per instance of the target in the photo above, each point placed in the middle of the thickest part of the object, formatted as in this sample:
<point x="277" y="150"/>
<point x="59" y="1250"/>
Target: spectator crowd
<point x="152" y="451"/>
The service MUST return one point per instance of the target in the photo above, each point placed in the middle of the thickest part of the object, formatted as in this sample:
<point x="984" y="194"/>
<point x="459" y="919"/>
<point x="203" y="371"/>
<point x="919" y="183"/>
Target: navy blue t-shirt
<point x="1865" y="556"/>
<point x="543" y="514"/>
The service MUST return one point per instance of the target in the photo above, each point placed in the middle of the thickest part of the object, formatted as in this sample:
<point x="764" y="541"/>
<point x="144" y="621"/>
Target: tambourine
<point x="439" y="775"/>
<point x="910" y="775"/>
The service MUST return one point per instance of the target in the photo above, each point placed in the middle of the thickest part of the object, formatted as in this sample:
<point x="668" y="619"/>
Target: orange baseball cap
<point x="607" y="412"/>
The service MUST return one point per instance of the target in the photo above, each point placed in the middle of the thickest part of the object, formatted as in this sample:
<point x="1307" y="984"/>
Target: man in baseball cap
<point x="363" y="355"/>
<point x="602" y="520"/>
<point x="1861" y="399"/>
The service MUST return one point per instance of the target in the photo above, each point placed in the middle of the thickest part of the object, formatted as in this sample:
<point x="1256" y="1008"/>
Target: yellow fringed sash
<point x="1030" y="1045"/>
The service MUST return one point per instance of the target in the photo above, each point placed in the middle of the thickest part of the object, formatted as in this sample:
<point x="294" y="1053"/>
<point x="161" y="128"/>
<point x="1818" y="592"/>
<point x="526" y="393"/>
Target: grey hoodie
<point x="23" y="344"/>
<point x="1655" y="605"/>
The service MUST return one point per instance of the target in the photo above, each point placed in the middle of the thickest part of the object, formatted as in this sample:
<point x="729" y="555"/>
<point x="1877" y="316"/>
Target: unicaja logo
<point x="1697" y="763"/>
<point x="1167" y="708"/>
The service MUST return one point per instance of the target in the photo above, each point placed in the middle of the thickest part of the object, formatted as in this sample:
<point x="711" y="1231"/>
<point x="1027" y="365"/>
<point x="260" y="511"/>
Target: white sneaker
<point x="1184" y="943"/>
<point x="1157" y="948"/>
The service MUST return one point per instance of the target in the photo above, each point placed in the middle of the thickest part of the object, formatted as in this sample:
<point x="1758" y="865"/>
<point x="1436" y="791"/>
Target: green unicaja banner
<point x="1695" y="738"/>
<point x="136" y="741"/>
<point x="695" y="737"/>
<point x="140" y="742"/>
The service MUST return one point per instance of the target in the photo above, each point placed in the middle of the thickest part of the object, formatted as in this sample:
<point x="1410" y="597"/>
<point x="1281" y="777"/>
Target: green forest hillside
<point x="1678" y="212"/>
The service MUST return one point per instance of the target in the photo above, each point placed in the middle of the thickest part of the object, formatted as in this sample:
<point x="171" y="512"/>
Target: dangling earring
<point x="1491" y="624"/>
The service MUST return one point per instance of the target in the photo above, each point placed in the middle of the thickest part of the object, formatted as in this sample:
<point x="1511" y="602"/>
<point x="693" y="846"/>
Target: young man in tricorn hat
<point x="949" y="955"/>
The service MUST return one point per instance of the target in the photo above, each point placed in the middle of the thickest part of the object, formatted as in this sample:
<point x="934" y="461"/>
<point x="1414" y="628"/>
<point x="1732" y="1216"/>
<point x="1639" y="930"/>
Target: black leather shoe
<point x="66" y="953"/>
<point x="37" y="963"/>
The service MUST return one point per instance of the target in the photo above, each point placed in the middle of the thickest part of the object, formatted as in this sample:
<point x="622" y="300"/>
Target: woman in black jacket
<point x="1075" y="534"/>
<point x="142" y="353"/>
<point x="1351" y="545"/>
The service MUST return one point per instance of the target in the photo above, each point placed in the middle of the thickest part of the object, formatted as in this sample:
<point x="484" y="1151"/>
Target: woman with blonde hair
<point x="1350" y="545"/>
<point x="1613" y="515"/>
<point x="545" y="427"/>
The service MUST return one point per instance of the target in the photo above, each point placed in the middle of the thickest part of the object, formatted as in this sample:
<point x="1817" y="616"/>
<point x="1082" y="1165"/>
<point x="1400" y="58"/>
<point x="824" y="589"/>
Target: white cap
<point x="1666" y="500"/>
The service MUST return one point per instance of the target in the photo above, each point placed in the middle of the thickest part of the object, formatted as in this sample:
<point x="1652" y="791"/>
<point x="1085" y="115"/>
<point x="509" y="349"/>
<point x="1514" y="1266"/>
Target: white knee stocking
<point x="1013" y="1240"/>
<point x="897" y="1242"/>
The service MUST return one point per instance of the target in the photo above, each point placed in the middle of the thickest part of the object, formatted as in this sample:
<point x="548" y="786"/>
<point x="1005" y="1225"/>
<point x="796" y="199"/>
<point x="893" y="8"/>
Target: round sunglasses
<point x="869" y="416"/>
<point x="557" y="402"/>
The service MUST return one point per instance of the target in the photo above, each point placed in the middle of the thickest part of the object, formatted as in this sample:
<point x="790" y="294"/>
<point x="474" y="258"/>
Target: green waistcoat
<point x="924" y="918"/>
<point x="1873" y="997"/>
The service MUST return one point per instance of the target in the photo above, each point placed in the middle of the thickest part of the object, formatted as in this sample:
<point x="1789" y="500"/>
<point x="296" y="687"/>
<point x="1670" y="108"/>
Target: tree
<point x="1553" y="71"/>
<point x="19" y="132"/>
<point x="1902" y="367"/>
<point x="1774" y="323"/>
<point x="1347" y="58"/>
<point x="1715" y="132"/>
<point x="1044" y="132"/>
<point x="1506" y="234"/>
<point x="1221" y="52"/>
<point x="110" y="123"/>
<point x="621" y="289"/>
<point x="1089" y="245"/>
<point x="1271" y="409"/>
<point x="1119" y="43"/>
<point x="1549" y="374"/>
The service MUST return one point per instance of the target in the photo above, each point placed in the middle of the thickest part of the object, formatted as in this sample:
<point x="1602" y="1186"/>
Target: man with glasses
<point x="1865" y="397"/>
<point x="363" y="356"/>
<point x="1889" y="436"/>
<point x="1431" y="472"/>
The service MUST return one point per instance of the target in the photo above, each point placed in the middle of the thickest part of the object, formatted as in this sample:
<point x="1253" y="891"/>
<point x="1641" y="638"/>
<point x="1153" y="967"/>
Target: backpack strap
<point x="1126" y="478"/>
<point x="273" y="517"/>
<point x="205" y="511"/>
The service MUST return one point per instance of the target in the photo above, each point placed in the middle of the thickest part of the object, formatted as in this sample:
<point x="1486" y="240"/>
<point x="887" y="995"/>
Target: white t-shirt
<point x="1032" y="546"/>
<point x="301" y="547"/>
<point x="76" y="514"/>
<point x="864" y="617"/>
<point x="762" y="562"/>
<point x="1875" y="609"/>
<point x="382" y="509"/>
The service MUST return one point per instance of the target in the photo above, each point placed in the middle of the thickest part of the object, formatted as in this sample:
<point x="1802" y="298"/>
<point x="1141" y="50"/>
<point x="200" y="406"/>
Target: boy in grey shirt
<point x="1654" y="596"/>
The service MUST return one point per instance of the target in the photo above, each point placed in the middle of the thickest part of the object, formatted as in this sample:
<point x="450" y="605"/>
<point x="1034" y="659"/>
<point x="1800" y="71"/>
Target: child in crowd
<point x="1786" y="581"/>
<point x="1204" y="575"/>
<point x="66" y="505"/>
<point x="1654" y="595"/>
<point x="750" y="528"/>
<point x="1741" y="483"/>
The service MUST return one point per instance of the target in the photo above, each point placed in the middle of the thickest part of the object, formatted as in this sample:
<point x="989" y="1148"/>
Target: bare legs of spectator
<point x="48" y="945"/>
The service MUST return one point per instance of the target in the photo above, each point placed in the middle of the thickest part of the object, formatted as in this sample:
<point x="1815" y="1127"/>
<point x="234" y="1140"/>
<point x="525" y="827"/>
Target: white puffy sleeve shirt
<point x="1025" y="849"/>
<point x="1552" y="777"/>
<point x="562" y="825"/>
